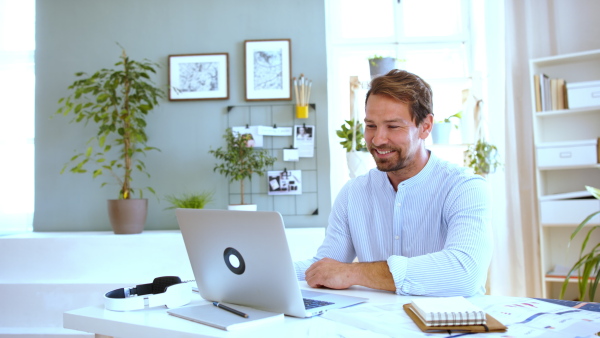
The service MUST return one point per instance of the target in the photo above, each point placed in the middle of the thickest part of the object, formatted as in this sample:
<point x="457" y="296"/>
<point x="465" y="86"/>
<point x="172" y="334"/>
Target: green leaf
<point x="97" y="173"/>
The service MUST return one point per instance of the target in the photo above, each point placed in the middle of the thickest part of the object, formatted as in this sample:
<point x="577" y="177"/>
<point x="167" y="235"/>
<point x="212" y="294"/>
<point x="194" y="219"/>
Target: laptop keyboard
<point x="313" y="303"/>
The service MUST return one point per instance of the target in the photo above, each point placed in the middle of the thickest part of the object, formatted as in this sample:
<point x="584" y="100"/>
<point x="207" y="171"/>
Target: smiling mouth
<point x="383" y="152"/>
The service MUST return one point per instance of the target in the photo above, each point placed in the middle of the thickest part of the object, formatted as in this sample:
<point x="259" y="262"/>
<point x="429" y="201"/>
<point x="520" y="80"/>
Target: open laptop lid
<point x="242" y="257"/>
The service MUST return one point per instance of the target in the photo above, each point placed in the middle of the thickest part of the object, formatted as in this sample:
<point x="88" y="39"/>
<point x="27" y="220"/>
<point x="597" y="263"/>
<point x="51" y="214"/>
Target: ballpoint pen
<point x="227" y="308"/>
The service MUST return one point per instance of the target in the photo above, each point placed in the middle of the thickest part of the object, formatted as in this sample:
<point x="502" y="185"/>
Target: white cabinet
<point x="566" y="149"/>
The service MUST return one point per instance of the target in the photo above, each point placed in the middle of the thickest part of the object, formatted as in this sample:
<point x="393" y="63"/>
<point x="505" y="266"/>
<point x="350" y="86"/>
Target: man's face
<point x="391" y="135"/>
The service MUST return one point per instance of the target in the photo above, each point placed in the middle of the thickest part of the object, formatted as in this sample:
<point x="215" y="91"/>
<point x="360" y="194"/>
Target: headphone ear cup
<point x="160" y="284"/>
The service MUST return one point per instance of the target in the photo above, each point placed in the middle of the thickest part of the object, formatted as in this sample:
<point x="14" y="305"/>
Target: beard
<point x="393" y="163"/>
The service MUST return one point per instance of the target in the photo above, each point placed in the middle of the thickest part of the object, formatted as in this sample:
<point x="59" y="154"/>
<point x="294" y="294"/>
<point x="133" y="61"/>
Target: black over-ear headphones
<point x="168" y="290"/>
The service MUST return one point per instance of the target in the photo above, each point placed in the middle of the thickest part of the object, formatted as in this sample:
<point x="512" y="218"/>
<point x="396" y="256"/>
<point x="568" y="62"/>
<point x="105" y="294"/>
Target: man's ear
<point x="426" y="126"/>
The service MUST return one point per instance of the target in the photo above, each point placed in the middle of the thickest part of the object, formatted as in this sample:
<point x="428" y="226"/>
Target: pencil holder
<point x="301" y="112"/>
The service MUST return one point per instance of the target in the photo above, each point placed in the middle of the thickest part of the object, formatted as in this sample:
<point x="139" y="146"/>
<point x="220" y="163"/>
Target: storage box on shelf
<point x="583" y="94"/>
<point x="567" y="156"/>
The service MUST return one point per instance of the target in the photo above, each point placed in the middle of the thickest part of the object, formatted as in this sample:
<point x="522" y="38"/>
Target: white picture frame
<point x="268" y="69"/>
<point x="199" y="77"/>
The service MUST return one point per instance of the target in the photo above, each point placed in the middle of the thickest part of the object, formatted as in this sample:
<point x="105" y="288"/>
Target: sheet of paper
<point x="256" y="140"/>
<point x="287" y="182"/>
<point x="524" y="317"/>
<point x="272" y="131"/>
<point x="291" y="155"/>
<point x="304" y="140"/>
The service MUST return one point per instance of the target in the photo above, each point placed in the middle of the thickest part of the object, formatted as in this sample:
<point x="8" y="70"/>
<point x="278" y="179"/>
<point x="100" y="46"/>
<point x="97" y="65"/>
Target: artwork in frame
<point x="199" y="77"/>
<point x="268" y="66"/>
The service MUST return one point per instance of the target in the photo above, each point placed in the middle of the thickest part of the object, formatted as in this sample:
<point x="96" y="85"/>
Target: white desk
<point x="523" y="316"/>
<point x="155" y="322"/>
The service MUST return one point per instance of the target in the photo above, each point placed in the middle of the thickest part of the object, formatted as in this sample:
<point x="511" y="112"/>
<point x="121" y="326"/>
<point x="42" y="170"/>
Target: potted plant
<point x="588" y="265"/>
<point x="117" y="102"/>
<point x="440" y="134"/>
<point x="359" y="159"/>
<point x="380" y="65"/>
<point x="189" y="200"/>
<point x="239" y="161"/>
<point x="482" y="157"/>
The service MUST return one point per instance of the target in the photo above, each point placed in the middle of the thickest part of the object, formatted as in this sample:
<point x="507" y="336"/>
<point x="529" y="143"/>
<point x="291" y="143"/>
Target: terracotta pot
<point x="128" y="216"/>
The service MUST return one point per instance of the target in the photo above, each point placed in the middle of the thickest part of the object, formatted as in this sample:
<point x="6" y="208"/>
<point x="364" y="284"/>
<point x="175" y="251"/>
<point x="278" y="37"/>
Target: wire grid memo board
<point x="256" y="190"/>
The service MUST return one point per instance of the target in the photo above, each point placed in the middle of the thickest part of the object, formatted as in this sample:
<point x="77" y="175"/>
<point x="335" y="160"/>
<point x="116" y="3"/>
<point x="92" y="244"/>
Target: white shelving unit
<point x="562" y="199"/>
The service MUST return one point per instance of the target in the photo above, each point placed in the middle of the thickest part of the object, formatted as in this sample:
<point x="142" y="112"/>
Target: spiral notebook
<point x="448" y="311"/>
<point x="451" y="314"/>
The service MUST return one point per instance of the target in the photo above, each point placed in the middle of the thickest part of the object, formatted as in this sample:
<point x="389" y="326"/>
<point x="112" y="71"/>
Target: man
<point x="417" y="224"/>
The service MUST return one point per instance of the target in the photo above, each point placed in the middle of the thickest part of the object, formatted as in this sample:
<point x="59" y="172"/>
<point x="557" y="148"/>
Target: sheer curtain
<point x="17" y="87"/>
<point x="519" y="262"/>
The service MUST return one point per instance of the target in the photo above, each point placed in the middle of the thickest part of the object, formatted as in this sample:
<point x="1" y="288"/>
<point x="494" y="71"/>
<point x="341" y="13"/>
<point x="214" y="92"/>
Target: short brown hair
<point x="405" y="87"/>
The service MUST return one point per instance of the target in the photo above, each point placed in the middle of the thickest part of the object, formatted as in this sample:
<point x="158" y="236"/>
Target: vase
<point x="359" y="162"/>
<point x="440" y="134"/>
<point x="128" y="216"/>
<point x="381" y="66"/>
<point x="242" y="207"/>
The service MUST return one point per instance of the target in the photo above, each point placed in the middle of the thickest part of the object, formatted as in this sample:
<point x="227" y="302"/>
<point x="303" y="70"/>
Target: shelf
<point x="573" y="279"/>
<point x="557" y="60"/>
<point x="561" y="202"/>
<point x="552" y="113"/>
<point x="588" y="166"/>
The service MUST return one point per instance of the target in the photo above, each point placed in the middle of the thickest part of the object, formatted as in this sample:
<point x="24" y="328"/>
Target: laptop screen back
<point x="241" y="257"/>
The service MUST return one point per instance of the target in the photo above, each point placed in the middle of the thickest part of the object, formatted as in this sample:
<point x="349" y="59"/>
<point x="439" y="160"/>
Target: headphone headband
<point x="167" y="290"/>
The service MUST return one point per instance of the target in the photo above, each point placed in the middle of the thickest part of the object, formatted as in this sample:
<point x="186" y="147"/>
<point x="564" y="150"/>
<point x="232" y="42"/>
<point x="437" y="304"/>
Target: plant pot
<point x="440" y="134"/>
<point x="128" y="216"/>
<point x="359" y="162"/>
<point x="381" y="66"/>
<point x="242" y="207"/>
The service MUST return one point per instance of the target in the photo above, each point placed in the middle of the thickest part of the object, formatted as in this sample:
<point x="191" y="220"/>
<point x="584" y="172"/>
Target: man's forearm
<point x="375" y="275"/>
<point x="330" y="273"/>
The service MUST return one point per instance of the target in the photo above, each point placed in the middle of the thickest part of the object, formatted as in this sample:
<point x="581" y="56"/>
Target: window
<point x="17" y="87"/>
<point x="431" y="38"/>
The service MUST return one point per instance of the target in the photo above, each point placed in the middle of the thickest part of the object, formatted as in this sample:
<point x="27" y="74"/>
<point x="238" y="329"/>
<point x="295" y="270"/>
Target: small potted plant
<point x="440" y="134"/>
<point x="117" y="102"/>
<point x="359" y="159"/>
<point x="381" y="65"/>
<point x="482" y="157"/>
<point x="190" y="200"/>
<point x="588" y="265"/>
<point x="239" y="161"/>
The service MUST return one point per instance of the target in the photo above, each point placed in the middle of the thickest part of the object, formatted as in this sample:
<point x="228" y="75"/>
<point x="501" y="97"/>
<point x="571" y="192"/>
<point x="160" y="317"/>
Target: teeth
<point x="383" y="152"/>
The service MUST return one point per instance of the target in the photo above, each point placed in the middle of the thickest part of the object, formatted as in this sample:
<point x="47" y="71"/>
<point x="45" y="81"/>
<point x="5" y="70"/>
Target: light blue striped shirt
<point x="434" y="232"/>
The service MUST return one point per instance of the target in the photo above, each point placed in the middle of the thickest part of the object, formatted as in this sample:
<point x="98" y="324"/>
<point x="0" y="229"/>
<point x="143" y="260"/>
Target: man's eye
<point x="370" y="126"/>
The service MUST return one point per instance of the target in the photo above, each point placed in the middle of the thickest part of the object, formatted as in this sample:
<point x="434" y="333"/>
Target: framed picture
<point x="199" y="77"/>
<point x="268" y="68"/>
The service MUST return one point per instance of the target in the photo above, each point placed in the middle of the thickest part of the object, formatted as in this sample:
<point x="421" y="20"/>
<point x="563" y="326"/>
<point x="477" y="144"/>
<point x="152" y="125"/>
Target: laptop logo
<point x="234" y="261"/>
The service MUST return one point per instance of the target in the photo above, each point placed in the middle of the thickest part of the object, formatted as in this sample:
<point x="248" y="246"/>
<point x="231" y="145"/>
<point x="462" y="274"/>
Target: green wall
<point x="81" y="35"/>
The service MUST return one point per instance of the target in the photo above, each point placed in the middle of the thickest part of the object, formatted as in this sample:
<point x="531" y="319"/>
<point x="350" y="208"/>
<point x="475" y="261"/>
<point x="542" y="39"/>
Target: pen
<point x="227" y="308"/>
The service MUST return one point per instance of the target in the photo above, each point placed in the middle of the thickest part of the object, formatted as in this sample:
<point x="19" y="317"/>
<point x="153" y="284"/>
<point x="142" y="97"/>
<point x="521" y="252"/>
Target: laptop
<point x="242" y="257"/>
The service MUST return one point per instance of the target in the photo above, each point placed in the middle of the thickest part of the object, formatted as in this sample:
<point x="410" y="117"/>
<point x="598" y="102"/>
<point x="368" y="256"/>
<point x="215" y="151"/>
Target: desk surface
<point x="155" y="322"/>
<point x="381" y="315"/>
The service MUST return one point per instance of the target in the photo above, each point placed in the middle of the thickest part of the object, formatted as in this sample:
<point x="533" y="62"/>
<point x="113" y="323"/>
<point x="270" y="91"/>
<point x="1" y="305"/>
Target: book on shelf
<point x="554" y="93"/>
<point x="550" y="93"/>
<point x="538" y="93"/>
<point x="211" y="315"/>
<point x="435" y="314"/>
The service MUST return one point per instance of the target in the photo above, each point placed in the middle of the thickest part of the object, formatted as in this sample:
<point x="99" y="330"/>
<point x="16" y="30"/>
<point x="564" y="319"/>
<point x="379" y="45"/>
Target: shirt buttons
<point x="398" y="204"/>
<point x="397" y="237"/>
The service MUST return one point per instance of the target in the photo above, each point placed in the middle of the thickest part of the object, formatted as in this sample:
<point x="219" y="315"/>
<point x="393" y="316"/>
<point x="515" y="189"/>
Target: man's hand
<point x="330" y="273"/>
<point x="336" y="275"/>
